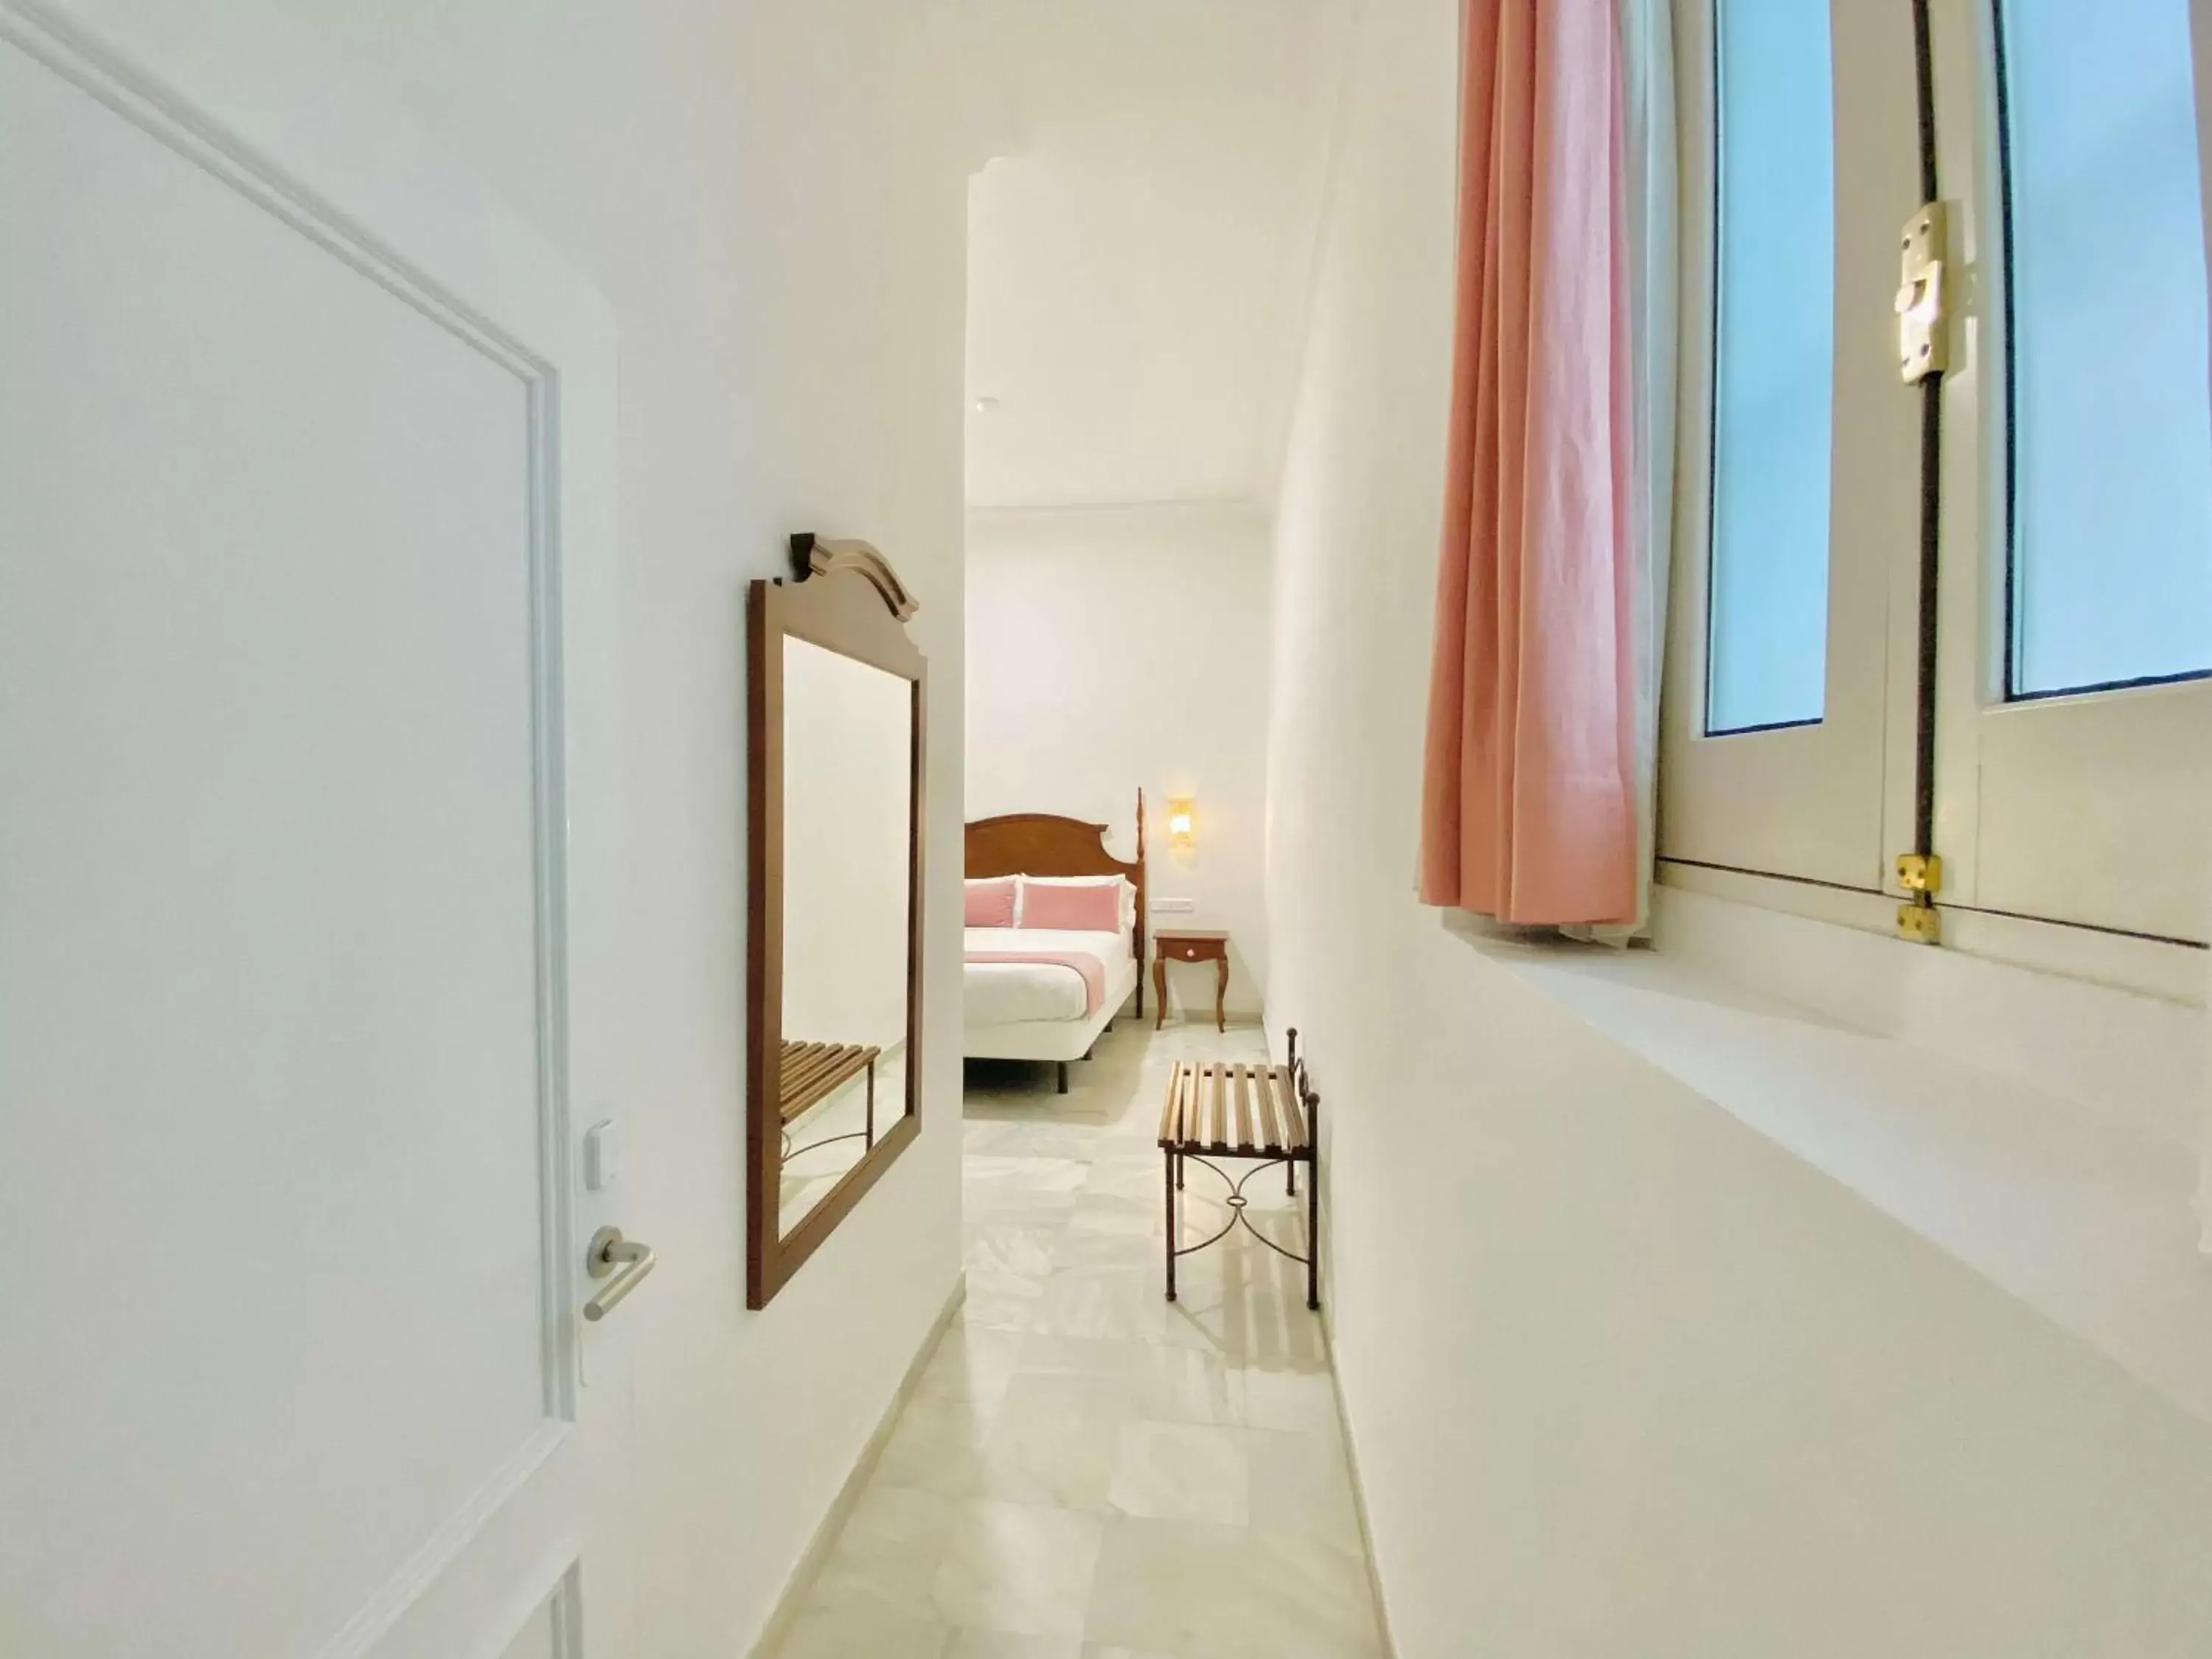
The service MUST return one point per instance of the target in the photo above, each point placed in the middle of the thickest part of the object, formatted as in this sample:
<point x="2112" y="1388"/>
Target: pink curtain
<point x="1529" y="806"/>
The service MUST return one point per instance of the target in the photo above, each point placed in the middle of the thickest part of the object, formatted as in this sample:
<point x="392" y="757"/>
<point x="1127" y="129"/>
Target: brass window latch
<point x="1924" y="297"/>
<point x="1920" y="874"/>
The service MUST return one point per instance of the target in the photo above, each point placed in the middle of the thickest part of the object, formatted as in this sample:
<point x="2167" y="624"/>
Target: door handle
<point x="626" y="1259"/>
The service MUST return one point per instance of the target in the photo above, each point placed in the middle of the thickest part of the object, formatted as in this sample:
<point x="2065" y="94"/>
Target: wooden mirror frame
<point x="845" y="598"/>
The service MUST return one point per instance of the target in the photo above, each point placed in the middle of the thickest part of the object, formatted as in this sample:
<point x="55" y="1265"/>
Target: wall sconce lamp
<point x="1182" y="821"/>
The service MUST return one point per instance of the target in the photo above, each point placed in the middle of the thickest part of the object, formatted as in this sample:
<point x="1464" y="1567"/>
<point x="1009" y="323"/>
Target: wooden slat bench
<point x="1217" y="1109"/>
<point x="812" y="1071"/>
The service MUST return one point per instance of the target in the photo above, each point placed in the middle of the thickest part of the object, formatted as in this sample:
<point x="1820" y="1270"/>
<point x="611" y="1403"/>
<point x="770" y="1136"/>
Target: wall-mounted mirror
<point x="834" y="969"/>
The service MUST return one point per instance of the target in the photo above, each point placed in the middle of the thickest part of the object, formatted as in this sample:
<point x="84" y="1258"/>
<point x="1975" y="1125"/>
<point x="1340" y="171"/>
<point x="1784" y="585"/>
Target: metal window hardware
<point x="1923" y="299"/>
<point x="1920" y="872"/>
<point x="608" y="1251"/>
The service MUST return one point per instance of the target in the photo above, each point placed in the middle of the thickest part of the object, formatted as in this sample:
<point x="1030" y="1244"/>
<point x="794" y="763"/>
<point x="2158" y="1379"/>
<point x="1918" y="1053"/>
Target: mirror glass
<point x="848" y="847"/>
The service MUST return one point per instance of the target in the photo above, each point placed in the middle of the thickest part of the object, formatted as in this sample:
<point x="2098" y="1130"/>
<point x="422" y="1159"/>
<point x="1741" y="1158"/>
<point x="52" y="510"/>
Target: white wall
<point x="1111" y="649"/>
<point x="1623" y="1376"/>
<point x="1136" y="276"/>
<point x="774" y="202"/>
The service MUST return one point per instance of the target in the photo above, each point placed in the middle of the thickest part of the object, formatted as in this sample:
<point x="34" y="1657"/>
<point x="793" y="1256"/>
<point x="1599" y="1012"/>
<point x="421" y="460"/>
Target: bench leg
<point x="1063" y="1078"/>
<point x="1313" y="1205"/>
<point x="1172" y="1162"/>
<point x="1313" y="1242"/>
<point x="1179" y="1171"/>
<point x="1291" y="1164"/>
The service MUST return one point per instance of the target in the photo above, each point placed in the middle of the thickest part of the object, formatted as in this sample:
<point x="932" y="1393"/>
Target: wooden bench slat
<point x="1294" y="1112"/>
<point x="1271" y="1110"/>
<point x="1234" y="1108"/>
<point x="809" y="1074"/>
<point x="808" y="1071"/>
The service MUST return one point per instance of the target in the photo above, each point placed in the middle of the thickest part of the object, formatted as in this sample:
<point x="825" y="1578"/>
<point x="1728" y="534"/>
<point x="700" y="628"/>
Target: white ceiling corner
<point x="1139" y="262"/>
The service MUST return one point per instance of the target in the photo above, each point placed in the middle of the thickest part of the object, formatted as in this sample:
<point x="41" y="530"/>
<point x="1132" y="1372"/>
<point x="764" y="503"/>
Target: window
<point x="2110" y="471"/>
<point x="2063" y="684"/>
<point x="1774" y="350"/>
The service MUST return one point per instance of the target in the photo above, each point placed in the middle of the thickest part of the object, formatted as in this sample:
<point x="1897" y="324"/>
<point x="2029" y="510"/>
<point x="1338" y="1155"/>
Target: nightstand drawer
<point x="1173" y="948"/>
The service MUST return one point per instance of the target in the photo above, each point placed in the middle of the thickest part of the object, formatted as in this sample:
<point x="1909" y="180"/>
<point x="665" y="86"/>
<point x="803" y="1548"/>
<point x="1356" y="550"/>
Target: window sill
<point x="2081" y="1206"/>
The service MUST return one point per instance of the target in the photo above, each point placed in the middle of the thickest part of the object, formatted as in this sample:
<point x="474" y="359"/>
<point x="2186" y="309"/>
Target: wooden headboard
<point x="1044" y="844"/>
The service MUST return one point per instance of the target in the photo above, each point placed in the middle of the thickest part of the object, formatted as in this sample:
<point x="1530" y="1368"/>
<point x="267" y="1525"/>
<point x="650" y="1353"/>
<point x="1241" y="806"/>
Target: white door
<point x="306" y="632"/>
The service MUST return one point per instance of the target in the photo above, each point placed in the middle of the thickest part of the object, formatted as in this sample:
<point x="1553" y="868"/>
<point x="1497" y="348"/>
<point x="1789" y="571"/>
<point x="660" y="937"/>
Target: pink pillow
<point x="991" y="903"/>
<point x="1073" y="909"/>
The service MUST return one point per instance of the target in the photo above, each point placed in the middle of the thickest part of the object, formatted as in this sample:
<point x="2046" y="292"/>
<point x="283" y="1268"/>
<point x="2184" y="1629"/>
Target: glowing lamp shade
<point x="1182" y="821"/>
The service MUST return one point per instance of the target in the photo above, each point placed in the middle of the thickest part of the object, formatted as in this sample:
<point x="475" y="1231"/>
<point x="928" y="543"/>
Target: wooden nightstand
<point x="1190" y="944"/>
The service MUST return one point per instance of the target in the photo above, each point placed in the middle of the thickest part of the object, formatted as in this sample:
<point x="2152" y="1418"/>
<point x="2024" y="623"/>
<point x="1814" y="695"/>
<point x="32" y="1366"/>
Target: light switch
<point x="603" y="1155"/>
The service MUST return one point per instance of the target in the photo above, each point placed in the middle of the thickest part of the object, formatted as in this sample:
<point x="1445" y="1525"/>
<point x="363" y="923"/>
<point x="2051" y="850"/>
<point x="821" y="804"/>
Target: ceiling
<point x="1137" y="261"/>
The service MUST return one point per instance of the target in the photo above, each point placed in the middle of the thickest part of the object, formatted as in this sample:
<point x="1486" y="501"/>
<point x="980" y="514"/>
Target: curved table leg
<point x="1159" y="992"/>
<point x="1220" y="993"/>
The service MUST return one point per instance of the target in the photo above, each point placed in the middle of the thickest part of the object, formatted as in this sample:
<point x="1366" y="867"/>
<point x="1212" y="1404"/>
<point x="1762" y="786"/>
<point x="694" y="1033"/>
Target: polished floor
<point x="1088" y="1471"/>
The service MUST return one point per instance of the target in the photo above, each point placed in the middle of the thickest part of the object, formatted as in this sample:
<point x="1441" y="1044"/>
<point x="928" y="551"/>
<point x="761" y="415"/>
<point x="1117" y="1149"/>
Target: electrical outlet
<point x="1174" y="906"/>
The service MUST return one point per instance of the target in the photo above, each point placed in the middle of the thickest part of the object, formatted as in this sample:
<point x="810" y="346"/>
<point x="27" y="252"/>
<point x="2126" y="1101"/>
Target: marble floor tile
<point x="974" y="1363"/>
<point x="991" y="1183"/>
<point x="1171" y="1587"/>
<point x="1124" y="1303"/>
<point x="1142" y="1177"/>
<point x="1307" y="1599"/>
<point x="1181" y="1472"/>
<point x="1017" y="1568"/>
<point x="936" y="1446"/>
<point x="1078" y="1247"/>
<point x="885" y="1559"/>
<point x="1300" y="1483"/>
<point x="1130" y="1216"/>
<point x="1286" y="1397"/>
<point x="1007" y="1644"/>
<point x="1029" y="1251"/>
<point x="1049" y="1448"/>
<point x="827" y="1633"/>
<point x="1177" y="1384"/>
<point x="1085" y="1470"/>
<point x="1023" y="1137"/>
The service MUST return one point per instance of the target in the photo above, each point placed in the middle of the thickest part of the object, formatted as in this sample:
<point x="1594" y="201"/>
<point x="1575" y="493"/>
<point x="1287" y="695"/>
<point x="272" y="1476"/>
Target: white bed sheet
<point x="1011" y="993"/>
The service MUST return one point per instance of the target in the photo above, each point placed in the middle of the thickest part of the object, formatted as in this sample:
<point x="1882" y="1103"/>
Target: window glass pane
<point x="1773" y="373"/>
<point x="2111" y="420"/>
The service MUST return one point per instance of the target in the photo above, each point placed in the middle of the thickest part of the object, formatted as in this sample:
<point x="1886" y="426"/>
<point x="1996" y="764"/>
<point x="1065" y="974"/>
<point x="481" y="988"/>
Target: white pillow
<point x="1128" y="892"/>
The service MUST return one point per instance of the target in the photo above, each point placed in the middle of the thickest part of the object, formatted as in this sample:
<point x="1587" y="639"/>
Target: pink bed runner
<point x="1092" y="970"/>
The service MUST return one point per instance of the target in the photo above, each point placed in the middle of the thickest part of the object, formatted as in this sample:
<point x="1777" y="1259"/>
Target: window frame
<point x="1735" y="806"/>
<point x="1822" y="801"/>
<point x="2084" y="808"/>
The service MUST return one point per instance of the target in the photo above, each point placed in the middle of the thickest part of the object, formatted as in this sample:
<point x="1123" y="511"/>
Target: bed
<point x="1018" y="1007"/>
